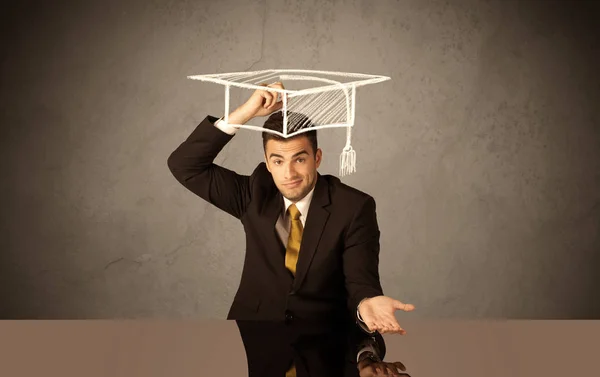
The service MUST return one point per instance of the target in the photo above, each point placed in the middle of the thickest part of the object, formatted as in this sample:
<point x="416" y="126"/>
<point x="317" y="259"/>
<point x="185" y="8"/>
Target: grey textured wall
<point x="483" y="152"/>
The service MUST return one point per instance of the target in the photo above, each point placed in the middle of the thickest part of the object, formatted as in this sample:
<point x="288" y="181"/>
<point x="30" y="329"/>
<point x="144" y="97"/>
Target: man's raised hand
<point x="262" y="102"/>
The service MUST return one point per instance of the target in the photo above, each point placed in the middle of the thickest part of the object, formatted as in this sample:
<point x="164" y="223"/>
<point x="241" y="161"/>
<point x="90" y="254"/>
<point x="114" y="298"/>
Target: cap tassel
<point x="348" y="156"/>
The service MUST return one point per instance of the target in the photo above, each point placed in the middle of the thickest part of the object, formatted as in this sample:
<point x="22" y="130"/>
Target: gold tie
<point x="291" y="372"/>
<point x="293" y="245"/>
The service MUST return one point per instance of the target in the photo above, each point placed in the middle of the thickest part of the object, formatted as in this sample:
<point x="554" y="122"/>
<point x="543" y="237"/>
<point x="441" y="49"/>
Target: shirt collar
<point x="302" y="205"/>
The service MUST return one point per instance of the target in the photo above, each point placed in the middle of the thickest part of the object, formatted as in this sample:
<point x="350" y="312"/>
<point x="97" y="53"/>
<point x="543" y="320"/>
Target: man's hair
<point x="275" y="123"/>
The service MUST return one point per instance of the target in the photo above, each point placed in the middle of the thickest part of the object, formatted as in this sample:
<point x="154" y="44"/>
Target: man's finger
<point x="396" y="330"/>
<point x="370" y="325"/>
<point x="391" y="370"/>
<point x="265" y="98"/>
<point x="402" y="306"/>
<point x="272" y="95"/>
<point x="269" y="103"/>
<point x="276" y="95"/>
<point x="394" y="327"/>
<point x="275" y="98"/>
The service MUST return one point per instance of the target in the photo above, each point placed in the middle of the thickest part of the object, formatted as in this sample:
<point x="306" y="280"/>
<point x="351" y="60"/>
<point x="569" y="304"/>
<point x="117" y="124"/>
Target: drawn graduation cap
<point x="324" y="99"/>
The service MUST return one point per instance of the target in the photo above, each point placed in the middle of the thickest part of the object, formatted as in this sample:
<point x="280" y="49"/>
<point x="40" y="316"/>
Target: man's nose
<point x="289" y="171"/>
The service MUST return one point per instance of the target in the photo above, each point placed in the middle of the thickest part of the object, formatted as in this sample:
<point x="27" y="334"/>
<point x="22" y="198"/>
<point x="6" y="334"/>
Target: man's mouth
<point x="293" y="183"/>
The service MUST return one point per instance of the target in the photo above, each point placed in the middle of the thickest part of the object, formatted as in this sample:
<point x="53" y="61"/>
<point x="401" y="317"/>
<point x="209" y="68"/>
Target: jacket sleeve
<point x="361" y="258"/>
<point x="192" y="164"/>
<point x="374" y="344"/>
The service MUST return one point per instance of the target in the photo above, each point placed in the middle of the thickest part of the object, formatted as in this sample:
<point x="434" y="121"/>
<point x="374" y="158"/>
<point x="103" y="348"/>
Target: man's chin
<point x="294" y="196"/>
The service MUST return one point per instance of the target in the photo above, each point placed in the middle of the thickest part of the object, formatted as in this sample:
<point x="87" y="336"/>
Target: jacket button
<point x="289" y="316"/>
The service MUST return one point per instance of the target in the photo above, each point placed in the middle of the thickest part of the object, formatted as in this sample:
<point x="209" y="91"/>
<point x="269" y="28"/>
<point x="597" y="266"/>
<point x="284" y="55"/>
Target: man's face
<point x="293" y="166"/>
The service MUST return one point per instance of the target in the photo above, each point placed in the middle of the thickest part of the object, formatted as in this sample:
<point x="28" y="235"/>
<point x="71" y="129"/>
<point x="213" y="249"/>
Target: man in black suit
<point x="312" y="242"/>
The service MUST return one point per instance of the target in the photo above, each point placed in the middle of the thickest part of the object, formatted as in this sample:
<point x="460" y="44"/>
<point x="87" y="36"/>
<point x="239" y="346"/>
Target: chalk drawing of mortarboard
<point x="327" y="99"/>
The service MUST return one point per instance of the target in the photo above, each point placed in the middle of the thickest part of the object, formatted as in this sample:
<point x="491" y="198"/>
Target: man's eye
<point x="301" y="160"/>
<point x="276" y="162"/>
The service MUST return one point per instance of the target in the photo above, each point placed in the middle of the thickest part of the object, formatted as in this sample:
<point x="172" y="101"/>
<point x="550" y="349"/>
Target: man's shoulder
<point x="261" y="175"/>
<point x="344" y="192"/>
<point x="261" y="181"/>
<point x="261" y="169"/>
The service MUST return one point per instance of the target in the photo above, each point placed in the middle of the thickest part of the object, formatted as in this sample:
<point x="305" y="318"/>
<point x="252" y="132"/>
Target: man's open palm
<point x="378" y="314"/>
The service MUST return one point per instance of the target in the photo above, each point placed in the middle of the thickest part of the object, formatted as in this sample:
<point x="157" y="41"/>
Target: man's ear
<point x="318" y="157"/>
<point x="267" y="163"/>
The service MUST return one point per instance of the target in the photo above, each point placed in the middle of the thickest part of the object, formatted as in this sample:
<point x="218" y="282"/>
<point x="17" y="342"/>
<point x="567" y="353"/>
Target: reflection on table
<point x="311" y="349"/>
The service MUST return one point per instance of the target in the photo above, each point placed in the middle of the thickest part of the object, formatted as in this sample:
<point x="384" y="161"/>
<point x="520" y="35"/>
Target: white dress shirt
<point x="227" y="128"/>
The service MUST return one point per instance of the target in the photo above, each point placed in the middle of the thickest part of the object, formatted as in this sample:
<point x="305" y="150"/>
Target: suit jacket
<point x="315" y="351"/>
<point x="339" y="256"/>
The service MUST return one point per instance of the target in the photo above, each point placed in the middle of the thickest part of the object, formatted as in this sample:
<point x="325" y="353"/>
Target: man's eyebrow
<point x="295" y="155"/>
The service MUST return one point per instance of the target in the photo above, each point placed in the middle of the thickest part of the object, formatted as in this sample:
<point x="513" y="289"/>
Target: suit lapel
<point x="313" y="229"/>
